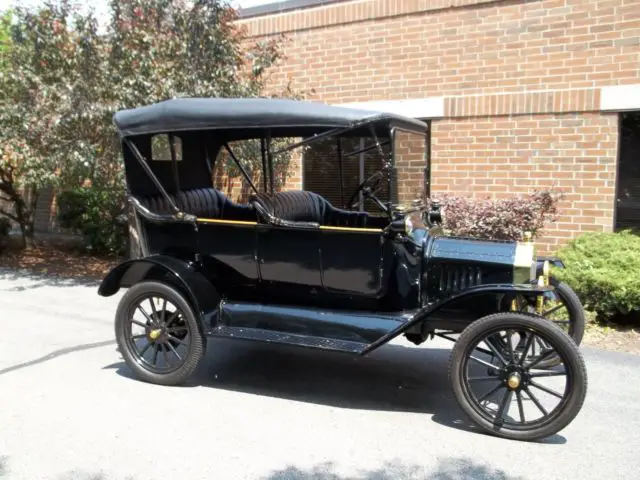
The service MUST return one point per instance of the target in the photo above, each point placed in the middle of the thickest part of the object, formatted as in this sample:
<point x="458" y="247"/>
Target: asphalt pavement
<point x="69" y="408"/>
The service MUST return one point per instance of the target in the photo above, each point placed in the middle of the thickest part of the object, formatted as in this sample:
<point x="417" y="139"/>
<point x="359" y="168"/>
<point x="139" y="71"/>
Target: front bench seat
<point x="203" y="203"/>
<point x="305" y="206"/>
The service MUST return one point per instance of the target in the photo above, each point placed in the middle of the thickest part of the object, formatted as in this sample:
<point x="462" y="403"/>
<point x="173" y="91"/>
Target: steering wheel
<point x="369" y="188"/>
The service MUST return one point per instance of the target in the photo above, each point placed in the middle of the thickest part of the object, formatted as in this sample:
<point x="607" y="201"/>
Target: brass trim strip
<point x="350" y="229"/>
<point x="225" y="222"/>
<point x="322" y="227"/>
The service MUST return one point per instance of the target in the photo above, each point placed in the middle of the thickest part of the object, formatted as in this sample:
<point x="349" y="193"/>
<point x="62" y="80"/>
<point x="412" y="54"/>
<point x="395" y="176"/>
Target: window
<point x="627" y="213"/>
<point x="411" y="160"/>
<point x="322" y="175"/>
<point x="227" y="176"/>
<point x="361" y="159"/>
<point x="161" y="147"/>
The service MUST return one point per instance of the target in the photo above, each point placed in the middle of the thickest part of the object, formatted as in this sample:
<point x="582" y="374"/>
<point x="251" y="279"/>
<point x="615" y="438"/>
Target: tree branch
<point x="8" y="188"/>
<point x="9" y="215"/>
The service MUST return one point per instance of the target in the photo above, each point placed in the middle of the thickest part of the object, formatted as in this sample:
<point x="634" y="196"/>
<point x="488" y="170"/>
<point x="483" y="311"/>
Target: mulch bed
<point x="59" y="261"/>
<point x="615" y="338"/>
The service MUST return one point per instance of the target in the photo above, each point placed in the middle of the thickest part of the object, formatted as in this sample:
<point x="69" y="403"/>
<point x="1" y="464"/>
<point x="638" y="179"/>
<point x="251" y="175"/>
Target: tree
<point x="43" y="79"/>
<point x="65" y="79"/>
<point x="5" y="37"/>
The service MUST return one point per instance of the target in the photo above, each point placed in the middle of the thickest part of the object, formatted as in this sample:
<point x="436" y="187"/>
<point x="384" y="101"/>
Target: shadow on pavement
<point x="448" y="469"/>
<point x="57" y="353"/>
<point x="393" y="378"/>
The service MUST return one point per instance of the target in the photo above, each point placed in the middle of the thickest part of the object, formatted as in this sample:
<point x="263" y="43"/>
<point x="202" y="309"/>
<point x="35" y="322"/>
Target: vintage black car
<point x="292" y="267"/>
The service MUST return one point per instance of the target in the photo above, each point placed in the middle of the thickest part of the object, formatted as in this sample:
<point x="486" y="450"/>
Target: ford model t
<point x="354" y="261"/>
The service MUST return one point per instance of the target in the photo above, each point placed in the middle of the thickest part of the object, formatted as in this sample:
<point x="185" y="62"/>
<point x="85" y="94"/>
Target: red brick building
<point x="518" y="94"/>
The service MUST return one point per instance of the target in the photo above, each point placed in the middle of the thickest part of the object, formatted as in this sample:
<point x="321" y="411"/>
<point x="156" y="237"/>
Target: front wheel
<point x="507" y="391"/>
<point x="158" y="335"/>
<point x="560" y="306"/>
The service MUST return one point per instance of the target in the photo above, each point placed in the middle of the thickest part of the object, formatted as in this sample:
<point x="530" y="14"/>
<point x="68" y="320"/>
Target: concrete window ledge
<point x="620" y="98"/>
<point x="424" y="108"/>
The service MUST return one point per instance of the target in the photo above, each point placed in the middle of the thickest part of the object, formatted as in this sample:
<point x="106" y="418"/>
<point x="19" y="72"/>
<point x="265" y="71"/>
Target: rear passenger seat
<point x="203" y="203"/>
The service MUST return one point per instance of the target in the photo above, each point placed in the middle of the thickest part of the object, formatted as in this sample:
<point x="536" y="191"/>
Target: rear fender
<point x="423" y="314"/>
<point x="199" y="291"/>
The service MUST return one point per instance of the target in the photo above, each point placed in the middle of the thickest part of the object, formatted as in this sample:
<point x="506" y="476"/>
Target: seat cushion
<point x="294" y="206"/>
<point x="305" y="206"/>
<point x="202" y="202"/>
<point x="345" y="218"/>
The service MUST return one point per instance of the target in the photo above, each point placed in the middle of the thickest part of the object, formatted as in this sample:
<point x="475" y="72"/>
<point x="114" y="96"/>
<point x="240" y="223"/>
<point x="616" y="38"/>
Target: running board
<point x="349" y="326"/>
<point x="271" y="336"/>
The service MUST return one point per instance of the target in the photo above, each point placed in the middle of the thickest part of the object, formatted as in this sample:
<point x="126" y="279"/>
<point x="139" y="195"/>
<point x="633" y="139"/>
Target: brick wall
<point x="502" y="156"/>
<point x="293" y="178"/>
<point x="45" y="215"/>
<point x="520" y="82"/>
<point x="396" y="49"/>
<point x="45" y="219"/>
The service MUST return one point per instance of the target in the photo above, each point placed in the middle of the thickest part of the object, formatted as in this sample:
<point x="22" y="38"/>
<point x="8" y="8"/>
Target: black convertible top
<point x="183" y="114"/>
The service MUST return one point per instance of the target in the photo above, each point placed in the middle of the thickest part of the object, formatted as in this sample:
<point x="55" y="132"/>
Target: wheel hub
<point x="513" y="381"/>
<point x="155" y="334"/>
<point x="514" y="377"/>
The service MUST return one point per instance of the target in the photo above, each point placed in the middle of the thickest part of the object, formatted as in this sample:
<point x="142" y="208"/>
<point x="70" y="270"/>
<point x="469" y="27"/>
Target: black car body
<point x="293" y="268"/>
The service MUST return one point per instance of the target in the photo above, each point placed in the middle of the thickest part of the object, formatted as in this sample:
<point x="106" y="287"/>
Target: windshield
<point x="334" y="168"/>
<point x="410" y="158"/>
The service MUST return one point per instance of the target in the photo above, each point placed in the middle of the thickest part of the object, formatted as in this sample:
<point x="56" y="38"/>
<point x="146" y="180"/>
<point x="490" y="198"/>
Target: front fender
<point x="423" y="314"/>
<point x="554" y="261"/>
<point x="200" y="292"/>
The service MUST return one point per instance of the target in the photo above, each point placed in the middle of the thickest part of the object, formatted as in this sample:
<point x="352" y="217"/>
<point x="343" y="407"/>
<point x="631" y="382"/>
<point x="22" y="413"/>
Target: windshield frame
<point x="426" y="172"/>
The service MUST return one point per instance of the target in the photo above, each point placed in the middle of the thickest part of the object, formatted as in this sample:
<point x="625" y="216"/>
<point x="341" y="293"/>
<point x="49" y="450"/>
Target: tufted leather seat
<point x="305" y="206"/>
<point x="202" y="202"/>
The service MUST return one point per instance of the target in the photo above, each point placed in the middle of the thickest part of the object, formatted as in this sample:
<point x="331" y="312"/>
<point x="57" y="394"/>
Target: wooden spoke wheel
<point x="507" y="390"/>
<point x="158" y="333"/>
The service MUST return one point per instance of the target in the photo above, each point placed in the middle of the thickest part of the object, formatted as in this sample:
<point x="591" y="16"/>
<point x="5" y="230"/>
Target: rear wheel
<point x="506" y="390"/>
<point x="158" y="335"/>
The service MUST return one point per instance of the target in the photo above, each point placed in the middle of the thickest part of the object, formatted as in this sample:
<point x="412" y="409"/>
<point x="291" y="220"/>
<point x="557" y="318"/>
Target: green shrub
<point x="604" y="270"/>
<point x="98" y="215"/>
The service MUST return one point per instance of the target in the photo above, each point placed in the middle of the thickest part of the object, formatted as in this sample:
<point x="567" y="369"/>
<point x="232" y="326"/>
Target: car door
<point x="289" y="256"/>
<point x="352" y="261"/>
<point x="228" y="247"/>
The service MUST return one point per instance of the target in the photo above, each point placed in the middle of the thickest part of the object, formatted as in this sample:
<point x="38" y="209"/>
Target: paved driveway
<point x="69" y="409"/>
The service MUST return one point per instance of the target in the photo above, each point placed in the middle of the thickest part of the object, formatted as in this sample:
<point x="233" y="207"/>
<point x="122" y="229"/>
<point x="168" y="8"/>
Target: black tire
<point x="576" y="320"/>
<point x="551" y="422"/>
<point x="571" y="300"/>
<point x="188" y="323"/>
